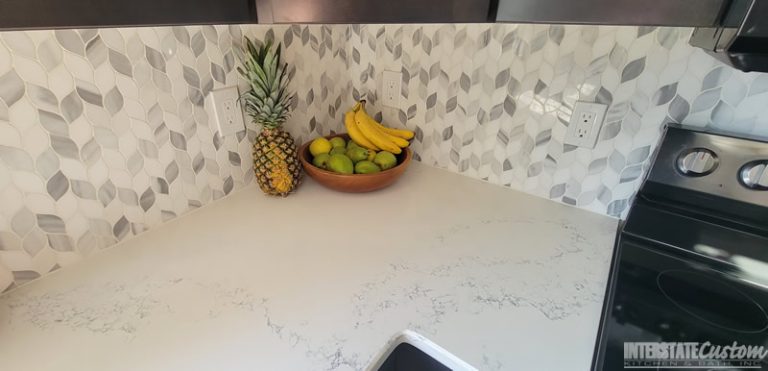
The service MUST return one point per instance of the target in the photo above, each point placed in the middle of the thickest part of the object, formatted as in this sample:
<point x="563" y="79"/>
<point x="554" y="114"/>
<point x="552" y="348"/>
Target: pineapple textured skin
<point x="276" y="162"/>
<point x="275" y="157"/>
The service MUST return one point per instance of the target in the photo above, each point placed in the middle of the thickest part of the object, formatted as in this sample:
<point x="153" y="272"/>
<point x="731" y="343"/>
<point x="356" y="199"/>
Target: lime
<point x="338" y="151"/>
<point x="320" y="145"/>
<point x="371" y="155"/>
<point x="385" y="159"/>
<point x="321" y="160"/>
<point x="341" y="164"/>
<point x="366" y="167"/>
<point x="338" y="142"/>
<point x="357" y="154"/>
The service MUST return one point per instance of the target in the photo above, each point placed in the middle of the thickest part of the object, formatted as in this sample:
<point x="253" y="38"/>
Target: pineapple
<point x="275" y="157"/>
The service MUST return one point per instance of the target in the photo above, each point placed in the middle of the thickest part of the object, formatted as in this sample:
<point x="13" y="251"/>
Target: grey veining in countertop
<point x="321" y="280"/>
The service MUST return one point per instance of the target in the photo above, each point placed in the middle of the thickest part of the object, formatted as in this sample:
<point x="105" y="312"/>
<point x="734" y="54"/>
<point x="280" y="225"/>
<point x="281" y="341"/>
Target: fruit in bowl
<point x="365" y="175"/>
<point x="348" y="157"/>
<point x="370" y="157"/>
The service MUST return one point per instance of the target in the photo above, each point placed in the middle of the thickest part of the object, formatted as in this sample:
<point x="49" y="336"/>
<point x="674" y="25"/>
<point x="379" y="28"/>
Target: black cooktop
<point x="688" y="288"/>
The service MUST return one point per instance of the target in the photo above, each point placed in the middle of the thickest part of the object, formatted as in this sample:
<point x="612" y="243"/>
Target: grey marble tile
<point x="107" y="192"/>
<point x="147" y="199"/>
<point x="51" y="223"/>
<point x="53" y="123"/>
<point x="34" y="242"/>
<point x="113" y="101"/>
<point x="64" y="146"/>
<point x="70" y="41"/>
<point x="83" y="189"/>
<point x="60" y="242"/>
<point x="57" y="185"/>
<point x="120" y="63"/>
<point x="11" y="88"/>
<point x="89" y="93"/>
<point x="96" y="51"/>
<point x="16" y="158"/>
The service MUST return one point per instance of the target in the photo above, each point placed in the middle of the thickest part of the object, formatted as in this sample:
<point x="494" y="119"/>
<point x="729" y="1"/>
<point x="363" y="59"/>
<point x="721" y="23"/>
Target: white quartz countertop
<point x="321" y="280"/>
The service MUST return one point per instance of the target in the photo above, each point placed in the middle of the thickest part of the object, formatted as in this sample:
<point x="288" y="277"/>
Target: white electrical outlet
<point x="586" y="121"/>
<point x="229" y="113"/>
<point x="391" y="83"/>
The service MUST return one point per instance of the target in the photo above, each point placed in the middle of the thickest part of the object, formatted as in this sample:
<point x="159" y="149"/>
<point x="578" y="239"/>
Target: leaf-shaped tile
<point x="89" y="93"/>
<point x="65" y="147"/>
<point x="23" y="221"/>
<point x="229" y="184"/>
<point x="678" y="108"/>
<point x="96" y="52"/>
<point x="220" y="76"/>
<point x="597" y="165"/>
<point x="155" y="58"/>
<point x="83" y="189"/>
<point x="722" y="115"/>
<point x="20" y="43"/>
<point x="234" y="158"/>
<point x="107" y="192"/>
<point x="11" y="88"/>
<point x="717" y="77"/>
<point x="147" y="199"/>
<point x="34" y="242"/>
<point x="638" y="155"/>
<point x="72" y="106"/>
<point x="113" y="101"/>
<point x="53" y="123"/>
<point x="51" y="223"/>
<point x="120" y="63"/>
<point x="91" y="152"/>
<point x="49" y="53"/>
<point x="706" y="100"/>
<point x="198" y="43"/>
<point x="665" y="94"/>
<point x="630" y="173"/>
<point x="70" y="40"/>
<point x="121" y="228"/>
<point x="127" y="196"/>
<point x="633" y="69"/>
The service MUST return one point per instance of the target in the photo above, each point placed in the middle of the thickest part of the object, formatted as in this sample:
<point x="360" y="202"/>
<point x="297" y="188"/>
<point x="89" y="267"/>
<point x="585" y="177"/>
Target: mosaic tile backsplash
<point x="493" y="101"/>
<point x="106" y="133"/>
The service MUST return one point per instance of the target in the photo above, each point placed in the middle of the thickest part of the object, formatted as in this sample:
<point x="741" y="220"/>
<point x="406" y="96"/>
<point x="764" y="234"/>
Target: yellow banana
<point x="400" y="133"/>
<point x="373" y="134"/>
<point x="354" y="131"/>
<point x="400" y="142"/>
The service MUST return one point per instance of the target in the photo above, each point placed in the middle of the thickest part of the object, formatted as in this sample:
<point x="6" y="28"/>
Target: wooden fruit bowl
<point x="354" y="183"/>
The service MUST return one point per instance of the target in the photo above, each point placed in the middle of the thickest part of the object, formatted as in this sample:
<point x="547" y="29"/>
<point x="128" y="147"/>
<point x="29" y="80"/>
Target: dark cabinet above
<point x="686" y="13"/>
<point x="732" y="30"/>
<point x="32" y="14"/>
<point x="368" y="11"/>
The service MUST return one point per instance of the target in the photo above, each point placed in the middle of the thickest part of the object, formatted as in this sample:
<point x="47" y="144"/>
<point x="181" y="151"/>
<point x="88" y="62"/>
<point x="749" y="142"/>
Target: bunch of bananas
<point x="369" y="133"/>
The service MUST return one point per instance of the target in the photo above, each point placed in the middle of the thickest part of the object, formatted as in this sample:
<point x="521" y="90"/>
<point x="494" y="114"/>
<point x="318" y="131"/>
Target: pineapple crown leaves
<point x="268" y="101"/>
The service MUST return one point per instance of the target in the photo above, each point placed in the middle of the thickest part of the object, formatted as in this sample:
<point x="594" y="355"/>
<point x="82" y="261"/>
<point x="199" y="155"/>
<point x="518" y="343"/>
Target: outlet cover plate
<point x="585" y="124"/>
<point x="228" y="111"/>
<point x="391" y="82"/>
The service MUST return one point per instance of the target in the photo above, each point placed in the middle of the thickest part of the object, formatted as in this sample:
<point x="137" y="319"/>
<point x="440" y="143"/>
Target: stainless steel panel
<point x="726" y="180"/>
<point x="741" y="40"/>
<point x="687" y="13"/>
<point x="368" y="11"/>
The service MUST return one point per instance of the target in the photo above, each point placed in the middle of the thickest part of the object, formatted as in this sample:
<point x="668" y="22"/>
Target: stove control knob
<point x="755" y="175"/>
<point x="697" y="162"/>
